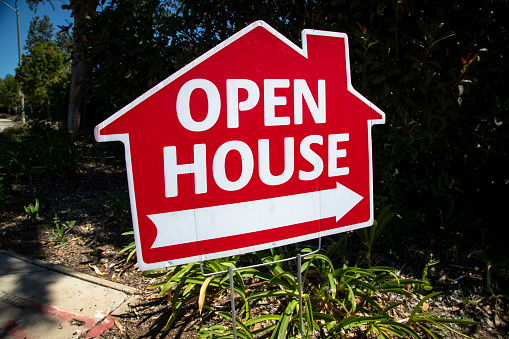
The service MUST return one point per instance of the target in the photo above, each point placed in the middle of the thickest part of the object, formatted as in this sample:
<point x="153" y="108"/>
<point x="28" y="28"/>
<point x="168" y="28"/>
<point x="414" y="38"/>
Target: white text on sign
<point x="270" y="101"/>
<point x="198" y="167"/>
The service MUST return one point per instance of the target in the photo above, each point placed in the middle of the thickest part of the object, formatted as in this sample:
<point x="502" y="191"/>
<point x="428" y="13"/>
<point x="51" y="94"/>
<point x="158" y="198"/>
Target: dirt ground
<point x="95" y="197"/>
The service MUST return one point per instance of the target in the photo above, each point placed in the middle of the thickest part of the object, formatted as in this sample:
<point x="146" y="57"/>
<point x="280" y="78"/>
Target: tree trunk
<point x="77" y="95"/>
<point x="79" y="69"/>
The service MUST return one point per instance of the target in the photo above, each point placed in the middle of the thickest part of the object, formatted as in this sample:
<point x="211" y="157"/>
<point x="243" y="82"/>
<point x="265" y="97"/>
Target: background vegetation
<point x="438" y="69"/>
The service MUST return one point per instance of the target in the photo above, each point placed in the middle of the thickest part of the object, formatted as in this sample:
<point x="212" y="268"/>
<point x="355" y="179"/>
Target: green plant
<point x="183" y="283"/>
<point x="57" y="232"/>
<point x="131" y="246"/>
<point x="337" y="302"/>
<point x="425" y="321"/>
<point x="53" y="147"/>
<point x="3" y="195"/>
<point x="337" y="247"/>
<point x="430" y="263"/>
<point x="120" y="210"/>
<point x="484" y="256"/>
<point x="32" y="211"/>
<point x="20" y="163"/>
<point x="369" y="235"/>
<point x="454" y="226"/>
<point x="38" y="146"/>
<point x="348" y="294"/>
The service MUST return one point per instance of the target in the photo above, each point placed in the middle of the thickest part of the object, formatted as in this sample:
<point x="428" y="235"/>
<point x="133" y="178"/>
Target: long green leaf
<point x="419" y="305"/>
<point x="382" y="330"/>
<point x="446" y="320"/>
<point x="179" y="278"/>
<point x="404" y="327"/>
<point x="285" y="319"/>
<point x="155" y="275"/>
<point x="246" y="332"/>
<point x="332" y="284"/>
<point x="370" y="301"/>
<point x="322" y="316"/>
<point x="261" y="318"/>
<point x="355" y="321"/>
<point x="390" y="307"/>
<point x="273" y="293"/>
<point x="128" y="247"/>
<point x="323" y="258"/>
<point x="427" y="330"/>
<point x="309" y="316"/>
<point x="351" y="298"/>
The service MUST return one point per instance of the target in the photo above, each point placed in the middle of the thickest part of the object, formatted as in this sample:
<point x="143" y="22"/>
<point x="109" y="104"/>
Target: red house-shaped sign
<point x="257" y="143"/>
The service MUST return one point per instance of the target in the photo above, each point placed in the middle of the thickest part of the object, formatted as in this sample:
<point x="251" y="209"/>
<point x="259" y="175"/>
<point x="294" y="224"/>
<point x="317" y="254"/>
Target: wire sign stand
<point x="232" y="291"/>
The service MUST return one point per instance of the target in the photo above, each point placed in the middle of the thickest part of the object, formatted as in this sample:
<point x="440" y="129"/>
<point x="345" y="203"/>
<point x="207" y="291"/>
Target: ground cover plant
<point x="58" y="230"/>
<point x="338" y="302"/>
<point x="32" y="211"/>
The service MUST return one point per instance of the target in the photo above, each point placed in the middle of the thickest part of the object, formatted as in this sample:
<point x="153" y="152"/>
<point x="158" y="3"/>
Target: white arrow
<point x="206" y="223"/>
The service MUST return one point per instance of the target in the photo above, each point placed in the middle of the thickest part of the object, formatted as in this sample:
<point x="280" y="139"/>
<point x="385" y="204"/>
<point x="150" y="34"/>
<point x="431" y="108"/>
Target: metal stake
<point x="299" y="276"/>
<point x="232" y="293"/>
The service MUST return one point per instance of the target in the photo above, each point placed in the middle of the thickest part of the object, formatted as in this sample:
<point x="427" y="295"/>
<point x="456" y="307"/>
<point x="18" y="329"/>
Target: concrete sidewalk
<point x="4" y="123"/>
<point x="41" y="300"/>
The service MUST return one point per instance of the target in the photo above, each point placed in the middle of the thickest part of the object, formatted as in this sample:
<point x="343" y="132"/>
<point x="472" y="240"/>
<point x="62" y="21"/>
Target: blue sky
<point x="8" y="28"/>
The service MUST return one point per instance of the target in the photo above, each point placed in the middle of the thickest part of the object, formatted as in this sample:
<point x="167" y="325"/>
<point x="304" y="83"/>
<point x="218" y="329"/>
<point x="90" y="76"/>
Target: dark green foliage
<point x="57" y="232"/>
<point x="32" y="211"/>
<point x="337" y="301"/>
<point x="3" y="194"/>
<point x="369" y="235"/>
<point x="44" y="73"/>
<point x="117" y="203"/>
<point x="40" y="31"/>
<point x="436" y="68"/>
<point x="9" y="94"/>
<point x="130" y="50"/>
<point x="37" y="147"/>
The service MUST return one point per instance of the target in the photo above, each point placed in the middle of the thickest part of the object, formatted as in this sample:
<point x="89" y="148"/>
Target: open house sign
<point x="257" y="143"/>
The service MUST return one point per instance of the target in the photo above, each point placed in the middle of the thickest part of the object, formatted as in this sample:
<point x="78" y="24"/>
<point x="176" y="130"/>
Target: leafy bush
<point x="3" y="195"/>
<point x="35" y="147"/>
<point x="369" y="235"/>
<point x="337" y="301"/>
<point x="32" y="211"/>
<point x="117" y="203"/>
<point x="57" y="232"/>
<point x="131" y="247"/>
